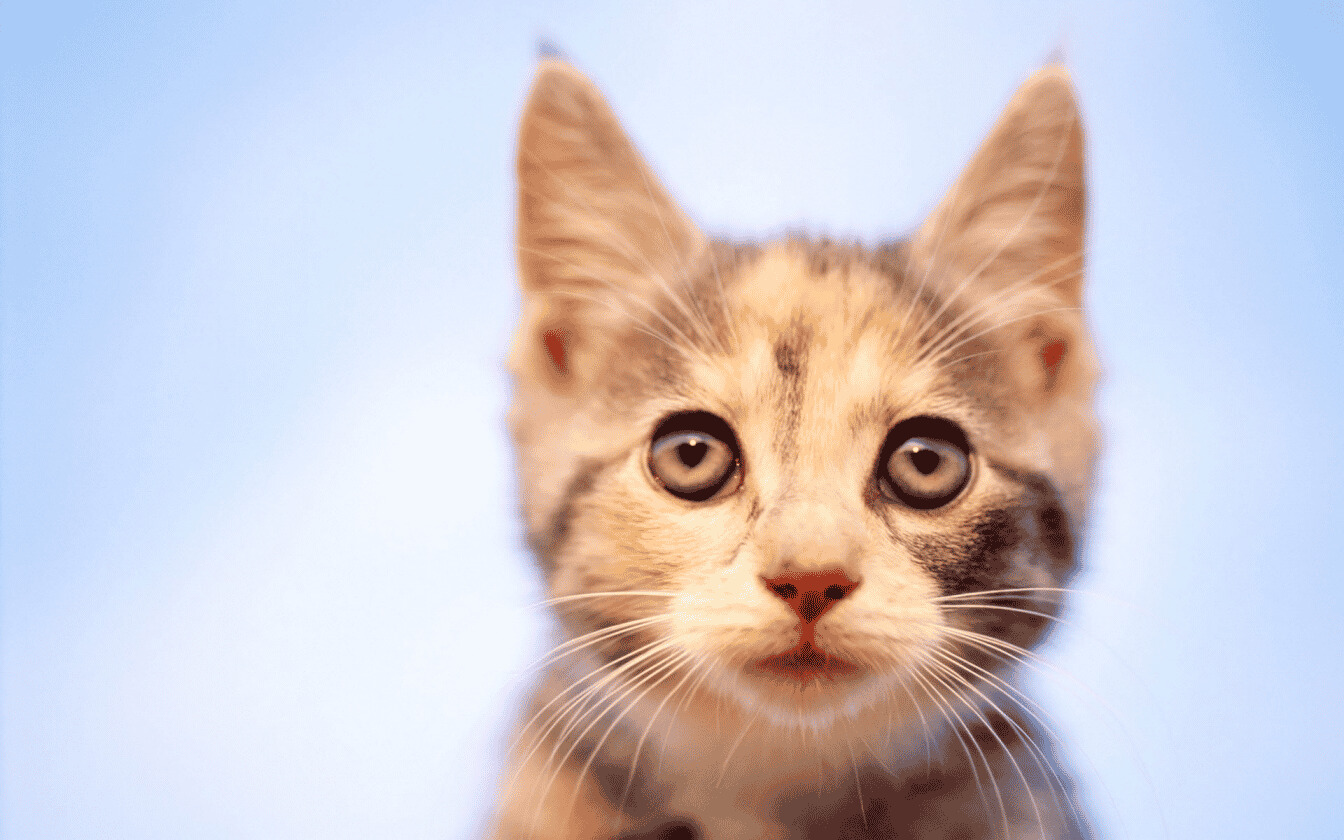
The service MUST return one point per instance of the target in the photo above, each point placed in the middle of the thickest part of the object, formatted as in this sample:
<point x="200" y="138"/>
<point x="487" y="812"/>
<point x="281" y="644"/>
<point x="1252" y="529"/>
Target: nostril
<point x="834" y="592"/>
<point x="785" y="590"/>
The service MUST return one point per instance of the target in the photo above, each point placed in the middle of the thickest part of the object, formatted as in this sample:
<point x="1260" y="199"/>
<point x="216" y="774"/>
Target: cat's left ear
<point x="1009" y="233"/>
<point x="1017" y="211"/>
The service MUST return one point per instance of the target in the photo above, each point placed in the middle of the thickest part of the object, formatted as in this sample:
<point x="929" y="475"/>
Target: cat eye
<point x="925" y="462"/>
<point x="694" y="455"/>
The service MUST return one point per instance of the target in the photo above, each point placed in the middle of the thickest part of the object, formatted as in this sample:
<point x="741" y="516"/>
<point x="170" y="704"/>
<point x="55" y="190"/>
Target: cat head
<point x="808" y="471"/>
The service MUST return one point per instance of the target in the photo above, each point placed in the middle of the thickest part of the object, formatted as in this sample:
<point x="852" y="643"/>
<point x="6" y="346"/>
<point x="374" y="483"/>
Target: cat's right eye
<point x="694" y="455"/>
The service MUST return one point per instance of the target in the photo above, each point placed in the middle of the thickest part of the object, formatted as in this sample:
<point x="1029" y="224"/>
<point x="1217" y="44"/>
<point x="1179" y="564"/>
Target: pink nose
<point x="811" y="594"/>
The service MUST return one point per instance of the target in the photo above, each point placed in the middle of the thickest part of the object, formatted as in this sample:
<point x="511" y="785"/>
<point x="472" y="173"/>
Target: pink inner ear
<point x="555" y="348"/>
<point x="1051" y="355"/>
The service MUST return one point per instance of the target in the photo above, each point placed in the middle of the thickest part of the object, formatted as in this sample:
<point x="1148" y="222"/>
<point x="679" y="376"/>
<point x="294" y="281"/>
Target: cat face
<point x="787" y="474"/>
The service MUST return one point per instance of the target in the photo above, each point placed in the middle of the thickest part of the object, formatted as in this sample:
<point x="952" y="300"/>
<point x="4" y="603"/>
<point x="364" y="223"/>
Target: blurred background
<point x="262" y="574"/>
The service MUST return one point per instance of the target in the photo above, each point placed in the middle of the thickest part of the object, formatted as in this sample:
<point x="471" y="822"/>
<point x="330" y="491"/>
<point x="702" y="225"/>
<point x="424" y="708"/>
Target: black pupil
<point x="925" y="460"/>
<point x="692" y="452"/>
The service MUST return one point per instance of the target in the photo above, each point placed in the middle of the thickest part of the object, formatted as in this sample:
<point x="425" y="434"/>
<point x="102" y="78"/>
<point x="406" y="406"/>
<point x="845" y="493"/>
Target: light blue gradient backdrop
<point x="261" y="565"/>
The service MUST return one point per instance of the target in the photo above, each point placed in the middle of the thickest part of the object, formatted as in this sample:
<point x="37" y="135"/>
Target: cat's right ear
<point x="597" y="233"/>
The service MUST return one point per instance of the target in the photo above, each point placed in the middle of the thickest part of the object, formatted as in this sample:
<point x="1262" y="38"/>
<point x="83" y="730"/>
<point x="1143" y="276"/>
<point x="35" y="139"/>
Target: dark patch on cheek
<point x="977" y="563"/>
<point x="1054" y="531"/>
<point x="1055" y="534"/>
<point x="983" y="562"/>
<point x="547" y="543"/>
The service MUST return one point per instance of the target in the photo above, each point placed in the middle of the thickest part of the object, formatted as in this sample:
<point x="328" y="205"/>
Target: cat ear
<point x="1017" y="210"/>
<point x="1010" y="231"/>
<point x="596" y="230"/>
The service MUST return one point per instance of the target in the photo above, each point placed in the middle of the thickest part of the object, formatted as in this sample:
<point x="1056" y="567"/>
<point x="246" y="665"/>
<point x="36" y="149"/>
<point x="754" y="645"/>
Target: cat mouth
<point x="806" y="663"/>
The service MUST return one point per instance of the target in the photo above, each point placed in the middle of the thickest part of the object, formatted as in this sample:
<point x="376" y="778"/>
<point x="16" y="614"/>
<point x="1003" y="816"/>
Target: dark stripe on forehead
<point x="826" y="255"/>
<point x="790" y="352"/>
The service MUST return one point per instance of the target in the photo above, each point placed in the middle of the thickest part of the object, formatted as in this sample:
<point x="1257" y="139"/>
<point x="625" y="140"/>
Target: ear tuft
<point x="546" y="48"/>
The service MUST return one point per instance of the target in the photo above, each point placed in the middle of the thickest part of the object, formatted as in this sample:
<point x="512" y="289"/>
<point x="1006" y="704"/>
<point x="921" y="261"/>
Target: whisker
<point x="639" y="746"/>
<point x="858" y="784"/>
<point x="1016" y="590"/>
<point x="596" y="714"/>
<point x="875" y="755"/>
<point x="985" y="311"/>
<point x="607" y="593"/>
<point x="723" y="297"/>
<point x="1006" y="608"/>
<point x="998" y="793"/>
<point x="579" y="643"/>
<point x="1006" y="651"/>
<point x="1026" y="704"/>
<point x="654" y="652"/>
<point x="737" y="743"/>
<point x="1028" y="658"/>
<point x="987" y="305"/>
<point x="944" y="220"/>
<point x="701" y="318"/>
<point x="924" y="723"/>
<point x="685" y="346"/>
<point x="1057" y="619"/>
<point x="945" y="709"/>
<point x="619" y="243"/>
<point x="682" y="348"/>
<point x="662" y="672"/>
<point x="614" y="669"/>
<point x="1001" y="324"/>
<point x="1026" y="785"/>
<point x="617" y="240"/>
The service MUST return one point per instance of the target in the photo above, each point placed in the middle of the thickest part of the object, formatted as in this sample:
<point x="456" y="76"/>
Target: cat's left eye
<point x="694" y="455"/>
<point x="925" y="462"/>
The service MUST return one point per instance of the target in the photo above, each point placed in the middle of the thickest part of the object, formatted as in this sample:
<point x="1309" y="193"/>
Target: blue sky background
<point x="257" y="288"/>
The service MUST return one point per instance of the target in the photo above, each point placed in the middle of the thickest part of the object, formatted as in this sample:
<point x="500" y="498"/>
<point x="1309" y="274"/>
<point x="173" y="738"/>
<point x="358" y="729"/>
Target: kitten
<point x="801" y="507"/>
